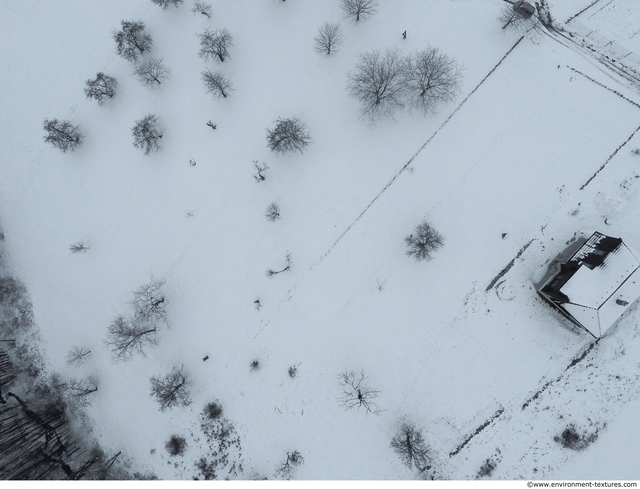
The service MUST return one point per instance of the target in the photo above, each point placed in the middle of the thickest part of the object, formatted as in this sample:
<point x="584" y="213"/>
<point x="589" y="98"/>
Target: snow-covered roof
<point x="597" y="284"/>
<point x="592" y="286"/>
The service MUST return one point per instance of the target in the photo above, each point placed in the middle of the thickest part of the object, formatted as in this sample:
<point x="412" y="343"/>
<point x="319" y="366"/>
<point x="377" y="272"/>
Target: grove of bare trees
<point x="385" y="82"/>
<point x="131" y="334"/>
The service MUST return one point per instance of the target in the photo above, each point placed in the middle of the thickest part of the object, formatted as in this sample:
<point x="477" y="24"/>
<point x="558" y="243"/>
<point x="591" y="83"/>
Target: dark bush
<point x="176" y="445"/>
<point x="487" y="469"/>
<point x="293" y="371"/>
<point x="213" y="410"/>
<point x="575" y="440"/>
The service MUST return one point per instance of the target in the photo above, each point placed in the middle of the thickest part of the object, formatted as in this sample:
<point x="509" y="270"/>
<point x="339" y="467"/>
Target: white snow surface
<point x="444" y="351"/>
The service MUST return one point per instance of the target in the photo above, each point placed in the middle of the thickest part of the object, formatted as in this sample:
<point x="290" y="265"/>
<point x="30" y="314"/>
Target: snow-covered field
<point x="444" y="352"/>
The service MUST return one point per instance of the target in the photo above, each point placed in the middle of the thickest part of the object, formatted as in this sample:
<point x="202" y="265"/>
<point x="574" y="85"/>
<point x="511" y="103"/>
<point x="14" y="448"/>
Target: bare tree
<point x="518" y="16"/>
<point x="100" y="87"/>
<point x="358" y="9"/>
<point x="62" y="134"/>
<point x="81" y="392"/>
<point x="273" y="212"/>
<point x="410" y="446"/>
<point x="149" y="302"/>
<point x="424" y="241"/>
<point x="171" y="390"/>
<point x="201" y="8"/>
<point x="152" y="72"/>
<point x="356" y="393"/>
<point x="215" y="44"/>
<point x="329" y="38"/>
<point x="146" y="134"/>
<point x="165" y="3"/>
<point x="288" y="135"/>
<point x="287" y="469"/>
<point x="216" y="84"/>
<point x="378" y="83"/>
<point x="270" y="272"/>
<point x="78" y="247"/>
<point x="127" y="336"/>
<point x="132" y="40"/>
<point x="77" y="356"/>
<point x="260" y="169"/>
<point x="431" y="78"/>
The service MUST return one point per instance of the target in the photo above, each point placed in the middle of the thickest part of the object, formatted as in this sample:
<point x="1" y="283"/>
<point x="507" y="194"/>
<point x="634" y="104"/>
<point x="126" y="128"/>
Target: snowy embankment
<point x="444" y="352"/>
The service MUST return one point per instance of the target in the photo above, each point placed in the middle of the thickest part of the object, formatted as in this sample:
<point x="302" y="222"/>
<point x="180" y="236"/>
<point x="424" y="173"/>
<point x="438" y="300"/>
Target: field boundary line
<point x="404" y="167"/>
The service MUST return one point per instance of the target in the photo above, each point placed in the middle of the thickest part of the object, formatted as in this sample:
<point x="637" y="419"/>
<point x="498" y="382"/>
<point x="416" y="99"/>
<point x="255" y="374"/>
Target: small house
<point x="593" y="282"/>
<point x="524" y="8"/>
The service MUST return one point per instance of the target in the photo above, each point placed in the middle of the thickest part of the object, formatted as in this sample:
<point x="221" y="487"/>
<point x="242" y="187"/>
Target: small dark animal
<point x="212" y="125"/>
<point x="205" y="358"/>
<point x="404" y="35"/>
